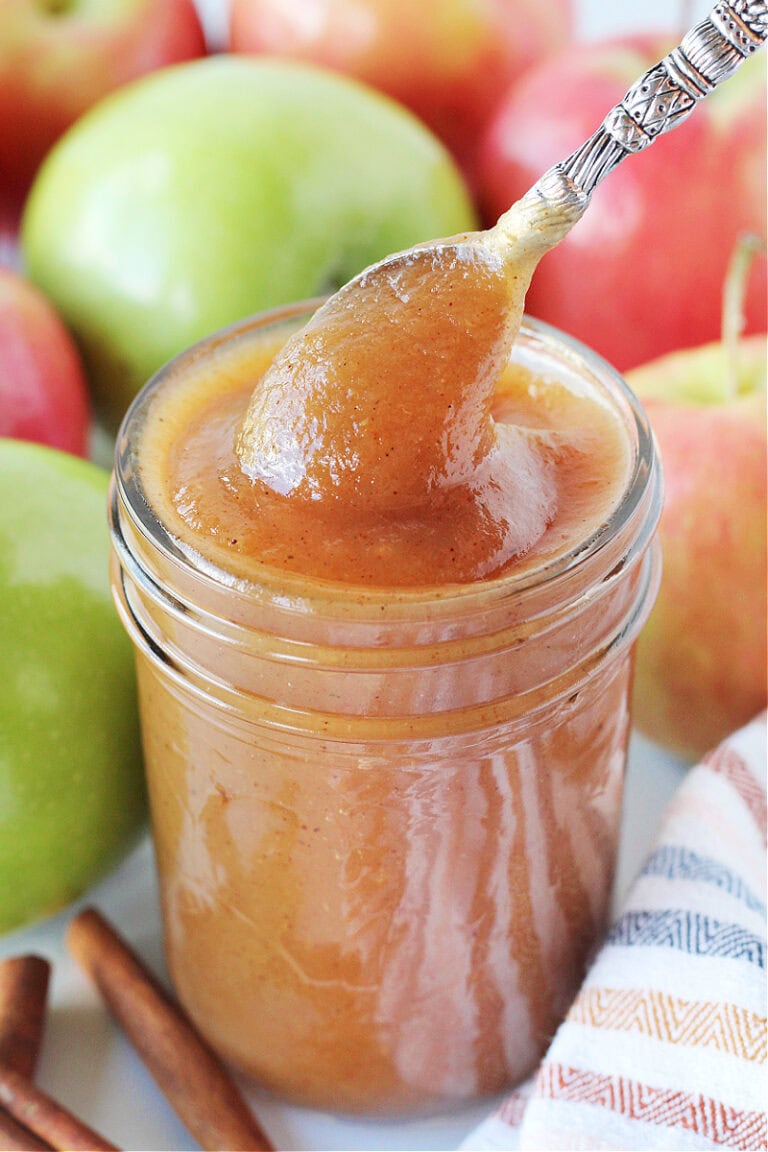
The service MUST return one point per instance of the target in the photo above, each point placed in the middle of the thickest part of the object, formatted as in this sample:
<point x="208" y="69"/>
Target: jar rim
<point x="288" y="589"/>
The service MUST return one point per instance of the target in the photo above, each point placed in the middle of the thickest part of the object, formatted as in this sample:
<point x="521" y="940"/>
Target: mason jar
<point x="385" y="820"/>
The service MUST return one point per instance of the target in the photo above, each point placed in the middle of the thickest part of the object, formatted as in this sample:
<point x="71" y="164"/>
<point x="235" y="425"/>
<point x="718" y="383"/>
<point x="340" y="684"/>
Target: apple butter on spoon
<point x="381" y="406"/>
<point x="383" y="401"/>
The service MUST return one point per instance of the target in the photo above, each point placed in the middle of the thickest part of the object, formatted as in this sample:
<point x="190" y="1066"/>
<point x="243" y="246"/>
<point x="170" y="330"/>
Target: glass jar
<point x="385" y="823"/>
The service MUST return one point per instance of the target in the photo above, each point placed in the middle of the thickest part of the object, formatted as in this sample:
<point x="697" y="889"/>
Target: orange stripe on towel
<point x="697" y="1023"/>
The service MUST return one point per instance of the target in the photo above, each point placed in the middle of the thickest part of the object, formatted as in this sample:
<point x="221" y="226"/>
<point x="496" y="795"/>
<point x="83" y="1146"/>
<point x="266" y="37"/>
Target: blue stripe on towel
<point x="688" y="932"/>
<point x="677" y="863"/>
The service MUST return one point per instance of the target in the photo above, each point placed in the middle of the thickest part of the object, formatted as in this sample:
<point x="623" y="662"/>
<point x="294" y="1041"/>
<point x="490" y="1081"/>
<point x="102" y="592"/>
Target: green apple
<point x="72" y="795"/>
<point x="701" y="659"/>
<point x="220" y="188"/>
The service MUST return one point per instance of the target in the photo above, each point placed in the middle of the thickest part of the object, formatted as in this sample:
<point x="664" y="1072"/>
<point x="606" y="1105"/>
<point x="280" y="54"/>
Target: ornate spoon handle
<point x="660" y="100"/>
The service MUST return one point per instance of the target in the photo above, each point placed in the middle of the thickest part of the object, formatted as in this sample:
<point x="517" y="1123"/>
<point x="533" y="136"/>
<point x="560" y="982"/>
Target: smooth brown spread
<point x="549" y="461"/>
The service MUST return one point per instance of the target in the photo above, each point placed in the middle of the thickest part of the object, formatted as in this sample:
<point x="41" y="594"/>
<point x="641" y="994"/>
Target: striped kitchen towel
<point x="665" y="1044"/>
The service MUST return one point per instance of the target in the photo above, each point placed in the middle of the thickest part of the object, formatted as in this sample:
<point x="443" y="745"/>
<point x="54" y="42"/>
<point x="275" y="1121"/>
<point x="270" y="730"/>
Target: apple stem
<point x="747" y="246"/>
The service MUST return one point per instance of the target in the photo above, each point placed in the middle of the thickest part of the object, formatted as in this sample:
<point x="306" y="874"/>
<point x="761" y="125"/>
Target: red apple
<point x="447" y="60"/>
<point x="701" y="659"/>
<point x="43" y="394"/>
<point x="641" y="274"/>
<point x="58" y="57"/>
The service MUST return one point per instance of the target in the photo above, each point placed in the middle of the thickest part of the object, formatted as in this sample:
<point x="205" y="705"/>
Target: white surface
<point x="88" y="1065"/>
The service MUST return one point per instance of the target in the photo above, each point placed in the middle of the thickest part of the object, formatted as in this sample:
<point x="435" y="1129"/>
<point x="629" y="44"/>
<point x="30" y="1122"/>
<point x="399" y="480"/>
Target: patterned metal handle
<point x="660" y="100"/>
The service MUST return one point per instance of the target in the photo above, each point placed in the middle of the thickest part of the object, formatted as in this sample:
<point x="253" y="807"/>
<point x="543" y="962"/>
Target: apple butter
<point x="384" y="680"/>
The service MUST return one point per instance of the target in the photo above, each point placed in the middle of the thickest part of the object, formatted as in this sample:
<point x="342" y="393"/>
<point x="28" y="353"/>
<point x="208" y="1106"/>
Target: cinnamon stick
<point x="16" y="1138"/>
<point x="188" y="1072"/>
<point x="23" y="994"/>
<point x="45" y="1117"/>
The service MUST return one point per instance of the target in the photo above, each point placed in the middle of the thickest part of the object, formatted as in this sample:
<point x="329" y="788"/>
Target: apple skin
<point x="217" y="189"/>
<point x="72" y="797"/>
<point x="43" y="391"/>
<point x="449" y="61"/>
<point x="642" y="273"/>
<point x="701" y="658"/>
<point x="57" y="59"/>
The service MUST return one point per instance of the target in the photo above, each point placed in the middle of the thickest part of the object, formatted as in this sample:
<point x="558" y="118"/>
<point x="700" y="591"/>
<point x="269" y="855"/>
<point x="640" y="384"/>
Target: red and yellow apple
<point x="701" y="659"/>
<point x="449" y="61"/>
<point x="641" y="274"/>
<point x="58" y="57"/>
<point x="43" y="391"/>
